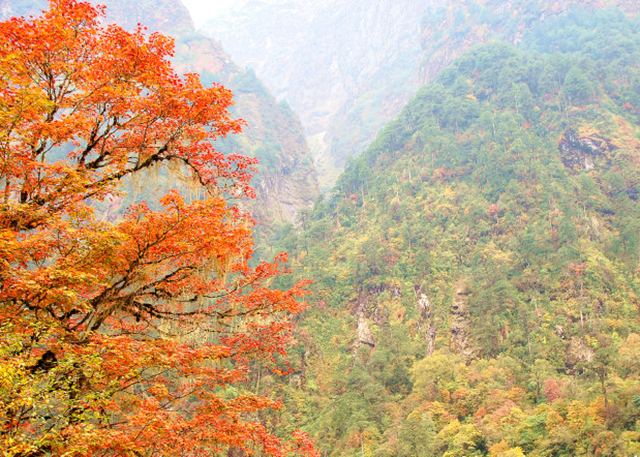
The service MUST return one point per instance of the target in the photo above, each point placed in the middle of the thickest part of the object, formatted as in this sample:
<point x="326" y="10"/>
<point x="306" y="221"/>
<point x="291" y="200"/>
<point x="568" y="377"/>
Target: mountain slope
<point x="477" y="268"/>
<point x="448" y="30"/>
<point x="345" y="66"/>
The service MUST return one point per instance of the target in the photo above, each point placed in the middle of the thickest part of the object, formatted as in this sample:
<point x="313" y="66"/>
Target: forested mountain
<point x="273" y="133"/>
<point x="477" y="269"/>
<point x="448" y="29"/>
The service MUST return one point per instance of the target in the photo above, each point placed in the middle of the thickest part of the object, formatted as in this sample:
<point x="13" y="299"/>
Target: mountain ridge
<point x="347" y="68"/>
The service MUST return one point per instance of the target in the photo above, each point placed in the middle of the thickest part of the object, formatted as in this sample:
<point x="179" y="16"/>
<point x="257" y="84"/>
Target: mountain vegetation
<point x="477" y="270"/>
<point x="347" y="67"/>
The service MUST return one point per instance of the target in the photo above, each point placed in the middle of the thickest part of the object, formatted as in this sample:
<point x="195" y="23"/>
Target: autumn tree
<point x="121" y="337"/>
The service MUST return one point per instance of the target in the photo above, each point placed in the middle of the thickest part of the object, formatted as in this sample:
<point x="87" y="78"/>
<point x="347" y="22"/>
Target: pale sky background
<point x="203" y="10"/>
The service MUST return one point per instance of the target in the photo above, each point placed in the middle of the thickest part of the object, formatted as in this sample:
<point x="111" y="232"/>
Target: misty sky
<point x="202" y="10"/>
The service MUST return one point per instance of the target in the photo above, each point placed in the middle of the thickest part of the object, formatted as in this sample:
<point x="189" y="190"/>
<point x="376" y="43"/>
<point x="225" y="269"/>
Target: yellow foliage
<point x="596" y="410"/>
<point x="498" y="448"/>
<point x="631" y="442"/>
<point x="576" y="413"/>
<point x="502" y="449"/>
<point x="553" y="419"/>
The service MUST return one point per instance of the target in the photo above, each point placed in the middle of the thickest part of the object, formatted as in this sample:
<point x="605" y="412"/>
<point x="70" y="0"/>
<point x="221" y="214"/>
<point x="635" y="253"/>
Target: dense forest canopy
<point x="477" y="268"/>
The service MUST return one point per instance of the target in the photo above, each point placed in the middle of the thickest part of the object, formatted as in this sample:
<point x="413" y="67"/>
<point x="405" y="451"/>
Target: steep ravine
<point x="346" y="67"/>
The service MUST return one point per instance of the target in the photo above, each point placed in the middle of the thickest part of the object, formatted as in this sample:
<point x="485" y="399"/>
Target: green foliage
<point x="506" y="194"/>
<point x="248" y="82"/>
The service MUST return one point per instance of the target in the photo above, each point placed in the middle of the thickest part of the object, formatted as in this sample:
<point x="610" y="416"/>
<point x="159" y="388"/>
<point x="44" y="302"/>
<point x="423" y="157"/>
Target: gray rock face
<point x="346" y="67"/>
<point x="426" y="321"/>
<point x="460" y="324"/>
<point x="364" y="335"/>
<point x="577" y="351"/>
<point x="582" y="152"/>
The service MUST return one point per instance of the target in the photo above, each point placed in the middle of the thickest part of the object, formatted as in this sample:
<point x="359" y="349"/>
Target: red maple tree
<point x="122" y="337"/>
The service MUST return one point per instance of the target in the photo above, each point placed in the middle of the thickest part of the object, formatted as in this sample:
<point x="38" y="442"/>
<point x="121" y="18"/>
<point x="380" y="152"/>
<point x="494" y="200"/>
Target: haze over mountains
<point x="348" y="67"/>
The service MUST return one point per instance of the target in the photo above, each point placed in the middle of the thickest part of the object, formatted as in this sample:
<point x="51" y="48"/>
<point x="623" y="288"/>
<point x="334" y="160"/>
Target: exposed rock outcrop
<point x="460" y="324"/>
<point x="426" y="323"/>
<point x="581" y="152"/>
<point x="364" y="335"/>
<point x="577" y="352"/>
<point x="365" y="311"/>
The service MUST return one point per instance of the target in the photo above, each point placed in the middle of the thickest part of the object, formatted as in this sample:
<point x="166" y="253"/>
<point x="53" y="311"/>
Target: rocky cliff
<point x="346" y="67"/>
